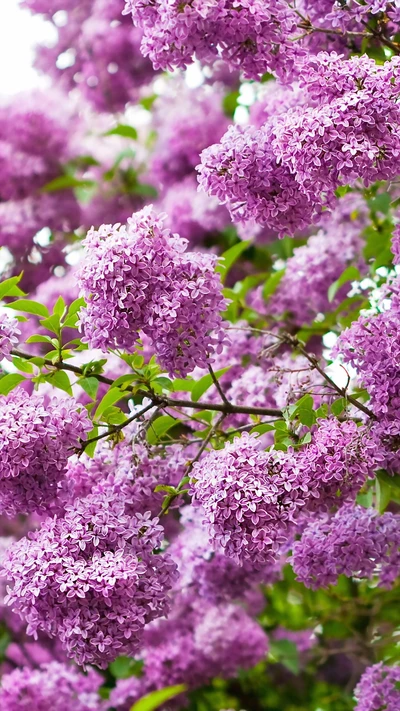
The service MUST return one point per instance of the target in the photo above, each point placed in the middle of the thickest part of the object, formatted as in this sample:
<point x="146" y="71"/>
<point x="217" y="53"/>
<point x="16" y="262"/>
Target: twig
<point x="113" y="430"/>
<point x="217" y="385"/>
<point x="227" y="409"/>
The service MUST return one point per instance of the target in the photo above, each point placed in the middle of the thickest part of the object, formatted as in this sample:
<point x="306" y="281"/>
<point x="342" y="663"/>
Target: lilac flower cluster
<point x="372" y="346"/>
<point x="302" y="293"/>
<point x="36" y="440"/>
<point x="9" y="335"/>
<point x="35" y="140"/>
<point x="250" y="35"/>
<point x="250" y="499"/>
<point x="282" y="174"/>
<point x="91" y="578"/>
<point x="378" y="688"/>
<point x="102" y="50"/>
<point x="196" y="643"/>
<point x="354" y="542"/>
<point x="52" y="687"/>
<point x="180" y="139"/>
<point x="396" y="244"/>
<point x="138" y="277"/>
<point x="204" y="569"/>
<point x="243" y="172"/>
<point x="338" y="461"/>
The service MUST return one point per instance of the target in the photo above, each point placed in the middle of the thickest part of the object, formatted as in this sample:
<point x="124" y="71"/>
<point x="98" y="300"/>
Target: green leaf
<point x="261" y="429"/>
<point x="23" y="365"/>
<point x="125" y="667"/>
<point x="66" y="182"/>
<point x="157" y="698"/>
<point x="285" y="651"/>
<point x="148" y="101"/>
<point x="52" y="323"/>
<point x="91" y="448"/>
<point x="145" y="190"/>
<point x="59" y="307"/>
<point x="272" y="283"/>
<point x="349" y="274"/>
<point x="90" y="386"/>
<point x="59" y="379"/>
<point x="9" y="382"/>
<point x="229" y="257"/>
<point x="39" y="339"/>
<point x="230" y="102"/>
<point x="160" y="427"/>
<point x="383" y="492"/>
<point x="365" y="499"/>
<point x="183" y="385"/>
<point x="76" y="306"/>
<point x="29" y="307"/>
<point x="9" y="286"/>
<point x="204" y="383"/>
<point x="123" y="130"/>
<point x="339" y="406"/>
<point x="111" y="396"/>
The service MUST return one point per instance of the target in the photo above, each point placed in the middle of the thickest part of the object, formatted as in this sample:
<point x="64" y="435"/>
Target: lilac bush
<point x="199" y="346"/>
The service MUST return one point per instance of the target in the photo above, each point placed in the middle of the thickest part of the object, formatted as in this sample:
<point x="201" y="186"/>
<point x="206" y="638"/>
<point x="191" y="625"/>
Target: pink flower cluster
<point x="91" y="578"/>
<point x="36" y="440"/>
<point x="51" y="687"/>
<point x="139" y="278"/>
<point x="250" y="35"/>
<point x="356" y="542"/>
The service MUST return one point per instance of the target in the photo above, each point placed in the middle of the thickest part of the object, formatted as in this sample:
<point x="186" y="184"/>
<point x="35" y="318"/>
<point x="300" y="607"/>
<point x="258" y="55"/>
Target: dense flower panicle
<point x="274" y="99"/>
<point x="9" y="335"/>
<point x="181" y="137"/>
<point x="250" y="35"/>
<point x="302" y="293"/>
<point x="196" y="643"/>
<point x="371" y="345"/>
<point x="243" y="172"/>
<point x="250" y="499"/>
<point x="396" y="244"/>
<point x="327" y="76"/>
<point x="353" y="136"/>
<point x="230" y="639"/>
<point x="338" y="461"/>
<point x="36" y="440"/>
<point x="139" y="278"/>
<point x="51" y="687"/>
<point x="378" y="688"/>
<point x="355" y="542"/>
<point x="194" y="215"/>
<point x="204" y="569"/>
<point x="102" y="50"/>
<point x="91" y="578"/>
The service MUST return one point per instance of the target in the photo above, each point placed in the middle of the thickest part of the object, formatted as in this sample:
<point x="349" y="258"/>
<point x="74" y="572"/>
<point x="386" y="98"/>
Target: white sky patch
<point x="20" y="31"/>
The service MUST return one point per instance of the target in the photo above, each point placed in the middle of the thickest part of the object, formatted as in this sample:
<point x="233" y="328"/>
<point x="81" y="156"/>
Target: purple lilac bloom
<point x="356" y="542"/>
<point x="378" y="689"/>
<point x="181" y="137"/>
<point x="139" y="278"/>
<point x="250" y="35"/>
<point x="338" y="461"/>
<point x="91" y="578"/>
<point x="9" y="335"/>
<point x="250" y="499"/>
<point x="51" y="687"/>
<point x="243" y="172"/>
<point x="204" y="569"/>
<point x="36" y="440"/>
<point x="102" y="50"/>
